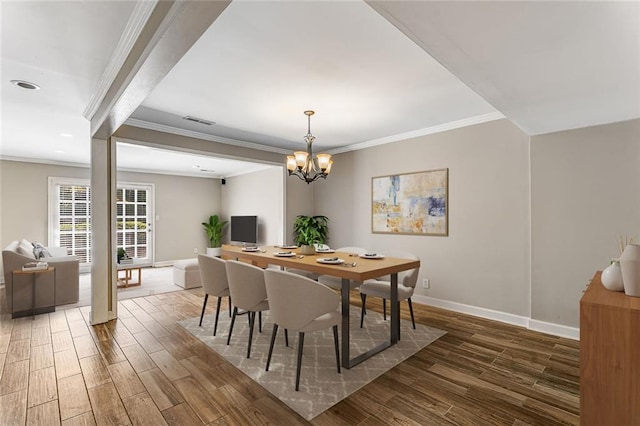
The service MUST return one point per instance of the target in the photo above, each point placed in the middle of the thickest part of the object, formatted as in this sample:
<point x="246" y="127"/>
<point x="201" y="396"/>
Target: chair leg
<point x="229" y="306"/>
<point x="286" y="337"/>
<point x="364" y="302"/>
<point x="260" y="321"/>
<point x="413" y="321"/>
<point x="215" y="326"/>
<point x="384" y="309"/>
<point x="206" y="296"/>
<point x="335" y="342"/>
<point x="273" y="341"/>
<point x="362" y="297"/>
<point x="300" y="345"/>
<point x="233" y="320"/>
<point x="252" y="320"/>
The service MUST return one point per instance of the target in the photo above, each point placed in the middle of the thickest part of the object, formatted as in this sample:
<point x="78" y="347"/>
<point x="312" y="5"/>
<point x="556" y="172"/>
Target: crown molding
<point x="193" y="134"/>
<point x="120" y="169"/>
<point x="45" y="161"/>
<point x="421" y="132"/>
<point x="136" y="23"/>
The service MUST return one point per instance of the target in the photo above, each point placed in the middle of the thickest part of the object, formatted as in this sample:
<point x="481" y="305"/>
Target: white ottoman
<point x="186" y="273"/>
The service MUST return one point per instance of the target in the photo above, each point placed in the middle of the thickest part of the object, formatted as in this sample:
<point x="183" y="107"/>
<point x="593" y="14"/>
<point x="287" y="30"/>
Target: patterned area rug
<point x="320" y="384"/>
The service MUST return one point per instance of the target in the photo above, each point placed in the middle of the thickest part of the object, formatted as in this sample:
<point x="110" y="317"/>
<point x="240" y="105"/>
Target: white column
<point x="104" y="298"/>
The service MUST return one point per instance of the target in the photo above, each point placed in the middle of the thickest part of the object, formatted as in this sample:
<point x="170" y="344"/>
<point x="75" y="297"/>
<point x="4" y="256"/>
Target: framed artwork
<point x="411" y="203"/>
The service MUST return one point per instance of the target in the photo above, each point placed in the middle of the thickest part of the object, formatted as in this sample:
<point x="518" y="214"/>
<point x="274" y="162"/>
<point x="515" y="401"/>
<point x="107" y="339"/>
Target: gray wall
<point x="24" y="196"/>
<point x="485" y="260"/>
<point x="585" y="191"/>
<point x="260" y="193"/>
<point x="531" y="219"/>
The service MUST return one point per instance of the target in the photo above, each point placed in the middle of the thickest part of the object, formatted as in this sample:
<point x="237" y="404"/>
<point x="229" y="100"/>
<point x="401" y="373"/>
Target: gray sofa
<point x="67" y="276"/>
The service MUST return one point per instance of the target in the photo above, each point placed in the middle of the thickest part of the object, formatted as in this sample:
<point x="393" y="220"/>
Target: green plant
<point x="214" y="230"/>
<point x="309" y="230"/>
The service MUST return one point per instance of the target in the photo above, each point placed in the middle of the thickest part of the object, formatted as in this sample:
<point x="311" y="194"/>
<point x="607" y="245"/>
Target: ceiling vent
<point x="198" y="120"/>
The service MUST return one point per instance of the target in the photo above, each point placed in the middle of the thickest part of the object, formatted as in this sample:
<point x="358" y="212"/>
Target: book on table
<point x="35" y="266"/>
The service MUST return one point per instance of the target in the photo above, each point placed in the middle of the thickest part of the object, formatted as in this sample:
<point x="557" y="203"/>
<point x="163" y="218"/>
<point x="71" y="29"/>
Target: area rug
<point x="320" y="384"/>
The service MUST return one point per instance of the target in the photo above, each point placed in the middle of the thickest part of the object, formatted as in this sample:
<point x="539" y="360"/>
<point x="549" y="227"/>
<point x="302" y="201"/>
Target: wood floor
<point x="146" y="369"/>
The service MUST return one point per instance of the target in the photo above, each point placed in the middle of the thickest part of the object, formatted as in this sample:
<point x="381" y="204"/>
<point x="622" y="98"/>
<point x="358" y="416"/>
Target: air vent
<point x="25" y="84"/>
<point x="198" y="120"/>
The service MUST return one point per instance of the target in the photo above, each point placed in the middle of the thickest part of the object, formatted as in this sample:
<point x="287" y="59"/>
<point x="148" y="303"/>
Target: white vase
<point x="630" y="266"/>
<point x="214" y="252"/>
<point x="612" y="276"/>
<point x="307" y="249"/>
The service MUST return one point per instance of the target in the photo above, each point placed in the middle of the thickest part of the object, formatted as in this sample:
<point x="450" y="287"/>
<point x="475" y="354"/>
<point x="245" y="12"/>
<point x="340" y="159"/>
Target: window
<point x="132" y="229"/>
<point x="70" y="219"/>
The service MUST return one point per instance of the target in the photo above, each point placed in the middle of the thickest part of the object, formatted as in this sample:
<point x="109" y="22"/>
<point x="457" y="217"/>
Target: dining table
<point x="348" y="267"/>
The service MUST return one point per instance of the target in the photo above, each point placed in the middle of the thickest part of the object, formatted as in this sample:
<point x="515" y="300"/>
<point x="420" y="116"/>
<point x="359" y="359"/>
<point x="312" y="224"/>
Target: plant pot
<point x="630" y="266"/>
<point x="612" y="276"/>
<point x="304" y="249"/>
<point x="214" y="251"/>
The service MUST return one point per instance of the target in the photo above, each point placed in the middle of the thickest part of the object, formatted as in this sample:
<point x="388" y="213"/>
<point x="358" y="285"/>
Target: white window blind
<point x="70" y="217"/>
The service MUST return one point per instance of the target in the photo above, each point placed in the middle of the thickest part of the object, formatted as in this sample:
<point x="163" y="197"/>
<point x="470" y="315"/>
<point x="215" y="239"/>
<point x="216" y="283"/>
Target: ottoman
<point x="186" y="273"/>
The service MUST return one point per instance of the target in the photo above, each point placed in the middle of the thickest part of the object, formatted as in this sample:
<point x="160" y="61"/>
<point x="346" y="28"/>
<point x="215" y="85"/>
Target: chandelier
<point x="303" y="165"/>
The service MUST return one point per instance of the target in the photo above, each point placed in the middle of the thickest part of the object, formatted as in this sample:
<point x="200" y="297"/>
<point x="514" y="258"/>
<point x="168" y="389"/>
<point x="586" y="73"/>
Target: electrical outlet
<point x="195" y="250"/>
<point x="426" y="283"/>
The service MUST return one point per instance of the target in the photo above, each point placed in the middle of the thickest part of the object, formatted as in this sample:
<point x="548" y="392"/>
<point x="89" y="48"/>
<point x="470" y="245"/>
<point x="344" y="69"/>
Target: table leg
<point x="394" y="331"/>
<point x="345" y="323"/>
<point x="395" y="310"/>
<point x="33" y="297"/>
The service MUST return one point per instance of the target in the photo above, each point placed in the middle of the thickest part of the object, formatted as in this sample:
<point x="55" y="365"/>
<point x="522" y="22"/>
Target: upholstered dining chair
<point x="247" y="289"/>
<point x="381" y="287"/>
<point x="213" y="274"/>
<point x="301" y="304"/>
<point x="336" y="282"/>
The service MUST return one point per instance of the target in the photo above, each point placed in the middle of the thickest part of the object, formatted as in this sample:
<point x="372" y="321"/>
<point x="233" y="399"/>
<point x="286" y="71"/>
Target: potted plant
<point x="214" y="232"/>
<point x="310" y="230"/>
<point x="123" y="257"/>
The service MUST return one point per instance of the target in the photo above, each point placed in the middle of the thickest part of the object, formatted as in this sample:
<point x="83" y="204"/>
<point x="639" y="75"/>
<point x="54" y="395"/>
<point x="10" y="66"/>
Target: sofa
<point x="67" y="276"/>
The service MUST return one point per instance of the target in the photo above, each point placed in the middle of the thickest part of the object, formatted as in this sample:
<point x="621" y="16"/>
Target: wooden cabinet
<point x="609" y="357"/>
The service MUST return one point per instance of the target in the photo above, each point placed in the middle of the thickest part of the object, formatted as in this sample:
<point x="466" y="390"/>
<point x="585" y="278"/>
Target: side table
<point x="34" y="274"/>
<point x="127" y="280"/>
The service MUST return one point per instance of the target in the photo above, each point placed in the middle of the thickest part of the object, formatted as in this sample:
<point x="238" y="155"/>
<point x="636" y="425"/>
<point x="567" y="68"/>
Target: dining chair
<point x="381" y="287"/>
<point x="301" y="304"/>
<point x="213" y="274"/>
<point x="247" y="289"/>
<point x="336" y="282"/>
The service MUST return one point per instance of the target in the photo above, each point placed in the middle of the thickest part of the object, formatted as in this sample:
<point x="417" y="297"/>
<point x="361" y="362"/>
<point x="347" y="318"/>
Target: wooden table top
<point x="364" y="269"/>
<point x="597" y="294"/>
<point x="33" y="271"/>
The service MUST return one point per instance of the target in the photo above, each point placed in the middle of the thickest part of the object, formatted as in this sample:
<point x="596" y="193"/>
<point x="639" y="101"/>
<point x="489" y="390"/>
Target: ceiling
<point x="374" y="72"/>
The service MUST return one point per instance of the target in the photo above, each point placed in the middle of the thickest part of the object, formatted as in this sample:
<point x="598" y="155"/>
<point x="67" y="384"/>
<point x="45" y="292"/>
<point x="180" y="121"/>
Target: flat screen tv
<point x="244" y="229"/>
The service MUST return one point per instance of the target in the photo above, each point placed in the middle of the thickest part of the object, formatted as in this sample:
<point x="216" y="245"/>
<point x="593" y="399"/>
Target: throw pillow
<point x="25" y="248"/>
<point x="39" y="251"/>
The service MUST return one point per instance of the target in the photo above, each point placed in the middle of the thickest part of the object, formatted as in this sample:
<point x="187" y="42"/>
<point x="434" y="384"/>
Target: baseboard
<point x="535" y="325"/>
<point x="164" y="263"/>
<point x="555" y="329"/>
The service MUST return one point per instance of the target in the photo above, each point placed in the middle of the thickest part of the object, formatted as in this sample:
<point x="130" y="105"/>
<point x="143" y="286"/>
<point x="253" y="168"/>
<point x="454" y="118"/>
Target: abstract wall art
<point x="411" y="203"/>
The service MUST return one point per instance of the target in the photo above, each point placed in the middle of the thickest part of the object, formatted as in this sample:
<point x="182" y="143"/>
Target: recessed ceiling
<point x="261" y="64"/>
<point x="373" y="72"/>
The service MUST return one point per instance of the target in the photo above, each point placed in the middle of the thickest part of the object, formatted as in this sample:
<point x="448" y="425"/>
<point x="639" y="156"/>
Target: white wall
<point x="485" y="260"/>
<point x="260" y="194"/>
<point x="585" y="194"/>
